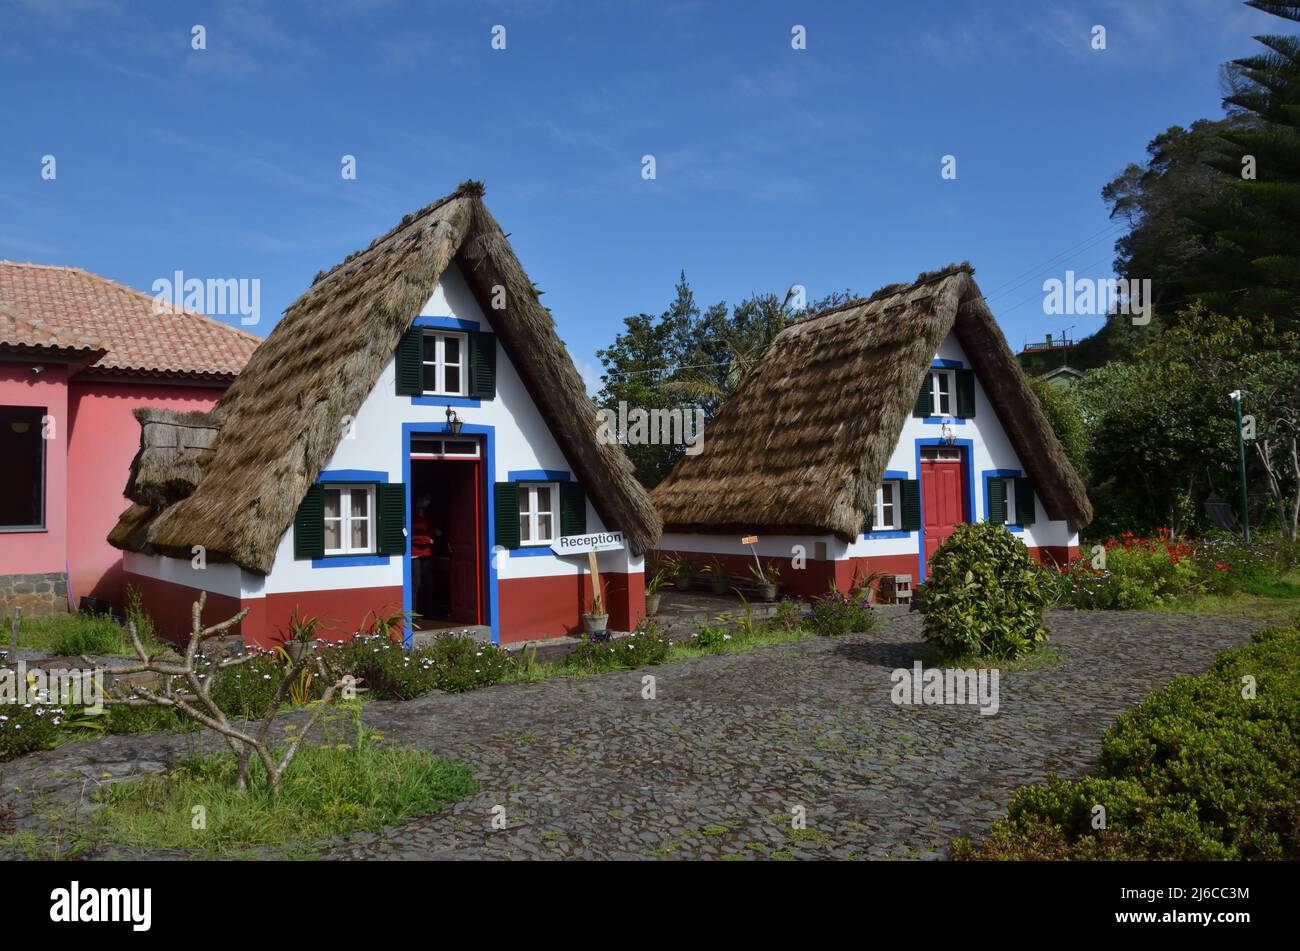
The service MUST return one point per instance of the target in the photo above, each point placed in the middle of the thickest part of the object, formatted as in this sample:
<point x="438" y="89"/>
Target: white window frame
<point x="951" y="377"/>
<point x="879" y="523"/>
<point x="533" y="539"/>
<point x="435" y="370"/>
<point x="345" y="519"/>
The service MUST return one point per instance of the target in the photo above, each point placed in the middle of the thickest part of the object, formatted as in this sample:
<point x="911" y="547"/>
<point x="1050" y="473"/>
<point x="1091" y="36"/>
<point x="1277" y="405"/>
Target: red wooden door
<point x="941" y="500"/>
<point x="463" y="539"/>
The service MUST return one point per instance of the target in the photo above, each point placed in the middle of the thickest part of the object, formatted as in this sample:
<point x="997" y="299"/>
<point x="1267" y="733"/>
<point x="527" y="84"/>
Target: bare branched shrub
<point x="187" y="686"/>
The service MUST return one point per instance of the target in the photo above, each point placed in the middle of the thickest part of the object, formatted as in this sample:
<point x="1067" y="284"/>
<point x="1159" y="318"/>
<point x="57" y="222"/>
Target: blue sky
<point x="774" y="166"/>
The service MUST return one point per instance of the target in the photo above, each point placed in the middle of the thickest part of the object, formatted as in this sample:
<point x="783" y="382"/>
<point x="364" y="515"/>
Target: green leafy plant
<point x="646" y="646"/>
<point x="710" y="638"/>
<point x="834" y="614"/>
<point x="1201" y="770"/>
<point x="985" y="594"/>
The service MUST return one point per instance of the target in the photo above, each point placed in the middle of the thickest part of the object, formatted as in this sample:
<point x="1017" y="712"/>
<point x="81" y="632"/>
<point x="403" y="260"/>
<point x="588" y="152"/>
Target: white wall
<point x="522" y="441"/>
<point x="991" y="449"/>
<point x="217" y="577"/>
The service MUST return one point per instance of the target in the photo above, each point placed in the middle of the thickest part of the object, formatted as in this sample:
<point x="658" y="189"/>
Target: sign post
<point x="751" y="541"/>
<point x="590" y="544"/>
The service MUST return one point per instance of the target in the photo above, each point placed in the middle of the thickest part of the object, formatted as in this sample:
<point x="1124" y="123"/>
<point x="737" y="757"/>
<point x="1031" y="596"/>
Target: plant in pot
<point x="717" y="575"/>
<point x="301" y="636"/>
<point x="766" y="578"/>
<point x="863" y="586"/>
<point x="594" y="621"/>
<point x="654" y="590"/>
<point x="680" y="568"/>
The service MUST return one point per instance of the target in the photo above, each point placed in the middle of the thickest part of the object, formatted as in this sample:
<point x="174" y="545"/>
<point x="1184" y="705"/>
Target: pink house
<point x="79" y="353"/>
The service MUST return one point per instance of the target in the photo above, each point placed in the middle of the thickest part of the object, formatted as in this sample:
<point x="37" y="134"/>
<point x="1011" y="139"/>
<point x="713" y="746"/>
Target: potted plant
<point x="594" y="621"/>
<point x="302" y="634"/>
<point x="654" y="590"/>
<point x="679" y="566"/>
<point x="863" y="587"/>
<point x="718" y="581"/>
<point x="766" y="578"/>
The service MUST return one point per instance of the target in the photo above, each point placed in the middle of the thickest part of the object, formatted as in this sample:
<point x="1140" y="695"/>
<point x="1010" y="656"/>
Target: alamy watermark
<point x="216" y="296"/>
<point x="656" y="427"/>
<point x="1098" y="297"/>
<point x="952" y="685"/>
<point x="61" y="686"/>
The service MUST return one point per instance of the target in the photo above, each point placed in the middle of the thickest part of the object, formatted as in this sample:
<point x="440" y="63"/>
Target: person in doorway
<point x="421" y="556"/>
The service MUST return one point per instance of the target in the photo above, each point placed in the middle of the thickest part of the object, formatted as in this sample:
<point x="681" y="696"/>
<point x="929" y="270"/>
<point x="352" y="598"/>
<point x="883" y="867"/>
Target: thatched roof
<point x="174" y="448"/>
<point x="280" y="421"/>
<point x="802" y="444"/>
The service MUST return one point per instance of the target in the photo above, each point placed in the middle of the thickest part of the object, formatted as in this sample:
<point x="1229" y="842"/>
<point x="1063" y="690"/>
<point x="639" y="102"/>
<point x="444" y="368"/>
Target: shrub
<point x="245" y="691"/>
<point x="646" y="646"/>
<point x="25" y="727"/>
<point x="1197" y="771"/>
<point x="710" y="638"/>
<point x="129" y="720"/>
<point x="788" y="617"/>
<point x="834" y="614"/>
<point x="985" y="594"/>
<point x="460" y="663"/>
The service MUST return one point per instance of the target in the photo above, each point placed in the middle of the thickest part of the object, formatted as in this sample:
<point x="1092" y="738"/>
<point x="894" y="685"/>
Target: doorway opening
<point x="447" y="528"/>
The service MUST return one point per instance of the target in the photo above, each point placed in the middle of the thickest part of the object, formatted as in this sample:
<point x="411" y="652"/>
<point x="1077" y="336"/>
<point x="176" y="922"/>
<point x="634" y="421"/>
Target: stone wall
<point x="38" y="595"/>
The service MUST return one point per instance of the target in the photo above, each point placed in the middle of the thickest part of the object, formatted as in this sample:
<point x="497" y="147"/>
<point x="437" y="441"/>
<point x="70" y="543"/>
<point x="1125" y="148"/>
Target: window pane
<point x="430" y="347"/>
<point x="333" y="535"/>
<point x="451" y="380"/>
<point x="544" y="527"/>
<point x="524" y="524"/>
<point x="360" y="503"/>
<point x="22" y="452"/>
<point x="360" y="533"/>
<point x="451" y="350"/>
<point x="524" y="497"/>
<point x="333" y="508"/>
<point x="544" y="501"/>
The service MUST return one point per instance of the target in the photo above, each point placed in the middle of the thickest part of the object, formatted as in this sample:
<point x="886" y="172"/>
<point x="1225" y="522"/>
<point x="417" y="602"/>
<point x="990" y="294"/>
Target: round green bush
<point x="984" y="594"/>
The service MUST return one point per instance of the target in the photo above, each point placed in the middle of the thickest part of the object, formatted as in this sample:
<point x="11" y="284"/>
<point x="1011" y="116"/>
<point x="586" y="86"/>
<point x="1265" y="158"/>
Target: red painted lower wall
<point x="341" y="613"/>
<point x="537" y="608"/>
<point x="170" y="605"/>
<point x="815" y="577"/>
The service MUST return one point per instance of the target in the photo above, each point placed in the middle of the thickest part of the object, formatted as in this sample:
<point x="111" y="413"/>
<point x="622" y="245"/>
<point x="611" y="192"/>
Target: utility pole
<point x="1235" y="396"/>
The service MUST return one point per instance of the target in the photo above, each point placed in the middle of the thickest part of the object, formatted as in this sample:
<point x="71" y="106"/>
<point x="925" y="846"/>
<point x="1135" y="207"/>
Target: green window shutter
<point x="997" y="500"/>
<point x="390" y="504"/>
<point x="505" y="498"/>
<point x="1024" y="502"/>
<point x="966" y="394"/>
<point x="482" y="366"/>
<point x="309" y="525"/>
<point x="911" y="520"/>
<point x="573" y="509"/>
<point x="410" y="363"/>
<point x="925" y="400"/>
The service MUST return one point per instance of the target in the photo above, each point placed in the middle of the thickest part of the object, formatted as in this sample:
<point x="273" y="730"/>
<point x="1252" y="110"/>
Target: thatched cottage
<point x="865" y="435"/>
<point x="412" y="436"/>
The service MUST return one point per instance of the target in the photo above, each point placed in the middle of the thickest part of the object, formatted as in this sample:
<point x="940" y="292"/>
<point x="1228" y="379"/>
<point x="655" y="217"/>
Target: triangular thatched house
<point x="827" y="445"/>
<point x="412" y="436"/>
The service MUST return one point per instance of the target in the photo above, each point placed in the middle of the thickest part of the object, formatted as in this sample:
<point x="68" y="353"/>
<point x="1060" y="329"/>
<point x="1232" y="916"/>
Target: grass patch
<point x="329" y="790"/>
<point x="1271" y="600"/>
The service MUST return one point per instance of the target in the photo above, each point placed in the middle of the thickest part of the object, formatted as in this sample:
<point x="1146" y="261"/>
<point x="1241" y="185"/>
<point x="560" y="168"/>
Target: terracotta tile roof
<point x="52" y="307"/>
